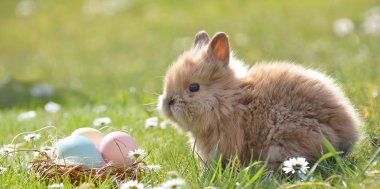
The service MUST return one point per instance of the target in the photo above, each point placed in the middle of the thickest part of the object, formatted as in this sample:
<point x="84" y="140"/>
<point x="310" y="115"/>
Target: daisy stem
<point x="302" y="175"/>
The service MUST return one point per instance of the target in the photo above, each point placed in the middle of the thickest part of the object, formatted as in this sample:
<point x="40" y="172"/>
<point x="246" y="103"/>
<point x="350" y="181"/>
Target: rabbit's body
<point x="277" y="111"/>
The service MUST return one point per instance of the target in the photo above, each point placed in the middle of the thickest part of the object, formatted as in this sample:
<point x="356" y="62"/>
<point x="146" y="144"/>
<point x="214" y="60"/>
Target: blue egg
<point x="77" y="149"/>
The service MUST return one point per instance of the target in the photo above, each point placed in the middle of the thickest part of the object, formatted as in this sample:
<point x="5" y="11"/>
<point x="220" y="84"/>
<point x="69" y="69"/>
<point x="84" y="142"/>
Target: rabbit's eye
<point x="194" y="87"/>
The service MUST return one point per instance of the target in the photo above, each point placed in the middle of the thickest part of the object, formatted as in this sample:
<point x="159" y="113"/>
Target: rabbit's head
<point x="198" y="85"/>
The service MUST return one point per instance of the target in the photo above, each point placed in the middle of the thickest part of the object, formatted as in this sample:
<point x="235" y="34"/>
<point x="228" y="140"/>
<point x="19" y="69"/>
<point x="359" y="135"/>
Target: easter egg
<point x="115" y="147"/>
<point x="77" y="149"/>
<point x="94" y="135"/>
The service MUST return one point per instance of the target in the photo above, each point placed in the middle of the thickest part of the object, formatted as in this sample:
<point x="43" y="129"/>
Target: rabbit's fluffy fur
<point x="274" y="111"/>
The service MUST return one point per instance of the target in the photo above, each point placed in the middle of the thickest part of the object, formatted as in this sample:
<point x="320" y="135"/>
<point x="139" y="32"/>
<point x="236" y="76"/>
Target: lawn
<point x="103" y="58"/>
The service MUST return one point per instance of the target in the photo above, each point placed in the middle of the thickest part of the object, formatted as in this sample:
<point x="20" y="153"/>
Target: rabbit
<point x="271" y="112"/>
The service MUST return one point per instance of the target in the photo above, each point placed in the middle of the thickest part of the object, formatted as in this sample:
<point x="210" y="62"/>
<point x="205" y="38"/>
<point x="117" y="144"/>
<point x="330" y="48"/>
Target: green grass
<point x="119" y="60"/>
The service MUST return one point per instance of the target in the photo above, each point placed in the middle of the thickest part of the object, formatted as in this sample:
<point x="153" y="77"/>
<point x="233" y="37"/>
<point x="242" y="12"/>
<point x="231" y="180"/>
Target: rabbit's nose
<point x="171" y="102"/>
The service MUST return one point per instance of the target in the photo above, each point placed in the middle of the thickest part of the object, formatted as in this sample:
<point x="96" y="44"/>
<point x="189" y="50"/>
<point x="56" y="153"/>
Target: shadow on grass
<point x="15" y="94"/>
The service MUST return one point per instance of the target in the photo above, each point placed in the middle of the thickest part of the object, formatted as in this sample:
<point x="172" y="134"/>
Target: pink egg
<point x="115" y="147"/>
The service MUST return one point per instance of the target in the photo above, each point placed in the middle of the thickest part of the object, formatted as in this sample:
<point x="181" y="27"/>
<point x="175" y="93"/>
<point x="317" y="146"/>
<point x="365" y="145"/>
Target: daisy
<point x="153" y="167"/>
<point x="26" y="115"/>
<point x="101" y="121"/>
<point x="6" y="149"/>
<point x="32" y="137"/>
<point x="173" y="174"/>
<point x="371" y="24"/>
<point x="52" y="107"/>
<point x="2" y="170"/>
<point x="294" y="165"/>
<point x="25" y="8"/>
<point x="36" y="154"/>
<point x="132" y="184"/>
<point x="151" y="122"/>
<point x="56" y="185"/>
<point x="163" y="125"/>
<point x="343" y="27"/>
<point x="100" y="109"/>
<point x="136" y="154"/>
<point x="174" y="183"/>
<point x="47" y="149"/>
<point x="105" y="7"/>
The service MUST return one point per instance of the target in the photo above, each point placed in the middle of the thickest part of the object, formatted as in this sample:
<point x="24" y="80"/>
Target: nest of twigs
<point x="50" y="169"/>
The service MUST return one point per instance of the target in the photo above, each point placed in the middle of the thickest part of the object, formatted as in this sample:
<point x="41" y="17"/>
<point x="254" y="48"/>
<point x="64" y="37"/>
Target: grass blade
<point x="373" y="158"/>
<point x="335" y="154"/>
<point x="257" y="175"/>
<point x="215" y="164"/>
<point x="324" y="157"/>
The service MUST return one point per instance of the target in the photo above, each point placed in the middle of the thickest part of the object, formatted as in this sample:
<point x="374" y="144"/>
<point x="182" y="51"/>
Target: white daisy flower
<point x="136" y="154"/>
<point x="374" y="163"/>
<point x="32" y="137"/>
<point x="173" y="174"/>
<point x="158" y="187"/>
<point x="25" y="8"/>
<point x="52" y="107"/>
<point x="132" y="184"/>
<point x="371" y="24"/>
<point x="343" y="27"/>
<point x="174" y="183"/>
<point x="101" y="121"/>
<point x="101" y="108"/>
<point x="105" y="7"/>
<point x="3" y="170"/>
<point x="6" y="149"/>
<point x="56" y="185"/>
<point x="163" y="125"/>
<point x="294" y="165"/>
<point x="153" y="167"/>
<point x="36" y="154"/>
<point x="27" y="115"/>
<point x="47" y="149"/>
<point x="151" y="122"/>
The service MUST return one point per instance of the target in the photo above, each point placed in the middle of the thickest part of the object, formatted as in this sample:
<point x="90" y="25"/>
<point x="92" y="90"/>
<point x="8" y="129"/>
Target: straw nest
<point x="48" y="168"/>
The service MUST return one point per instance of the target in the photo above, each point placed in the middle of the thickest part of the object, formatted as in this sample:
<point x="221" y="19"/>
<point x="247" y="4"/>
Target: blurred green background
<point x="83" y="54"/>
<point x="94" y="51"/>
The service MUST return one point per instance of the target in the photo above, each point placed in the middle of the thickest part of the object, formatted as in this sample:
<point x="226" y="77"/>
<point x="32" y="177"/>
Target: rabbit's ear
<point x="219" y="48"/>
<point x="201" y="39"/>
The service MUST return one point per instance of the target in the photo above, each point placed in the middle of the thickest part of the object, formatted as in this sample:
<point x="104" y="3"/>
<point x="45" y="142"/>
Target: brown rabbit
<point x="274" y="111"/>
